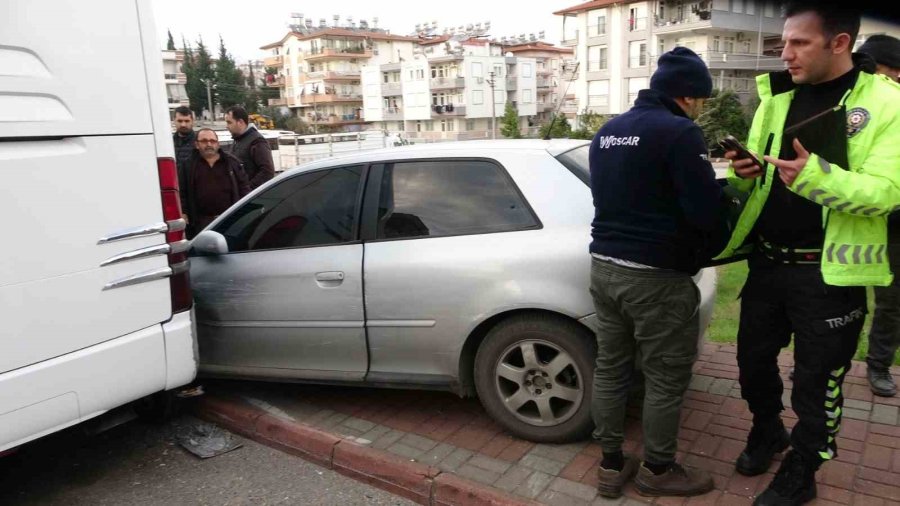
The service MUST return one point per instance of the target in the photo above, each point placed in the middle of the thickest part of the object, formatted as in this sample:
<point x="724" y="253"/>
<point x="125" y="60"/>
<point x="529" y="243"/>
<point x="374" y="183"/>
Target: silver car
<point x="461" y="266"/>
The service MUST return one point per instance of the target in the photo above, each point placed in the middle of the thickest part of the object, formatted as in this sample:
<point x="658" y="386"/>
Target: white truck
<point x="95" y="300"/>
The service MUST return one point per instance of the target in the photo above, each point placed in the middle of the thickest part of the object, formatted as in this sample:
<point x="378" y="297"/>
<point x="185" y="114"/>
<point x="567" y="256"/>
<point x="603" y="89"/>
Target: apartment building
<point x="451" y="88"/>
<point x="617" y="43"/>
<point x="554" y="77"/>
<point x="319" y="68"/>
<point x="175" y="80"/>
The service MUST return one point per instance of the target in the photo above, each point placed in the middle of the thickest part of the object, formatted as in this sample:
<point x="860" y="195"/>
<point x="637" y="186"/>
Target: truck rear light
<point x="179" y="282"/>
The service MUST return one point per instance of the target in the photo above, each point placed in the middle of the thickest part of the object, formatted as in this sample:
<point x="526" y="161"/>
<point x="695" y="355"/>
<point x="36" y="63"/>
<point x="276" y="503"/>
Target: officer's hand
<point x="788" y="170"/>
<point x="744" y="168"/>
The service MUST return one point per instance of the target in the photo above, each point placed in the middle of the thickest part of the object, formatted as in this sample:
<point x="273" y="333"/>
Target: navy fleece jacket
<point x="656" y="198"/>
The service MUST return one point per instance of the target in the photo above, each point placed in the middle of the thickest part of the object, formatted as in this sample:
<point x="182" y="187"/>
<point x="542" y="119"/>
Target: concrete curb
<point x="418" y="482"/>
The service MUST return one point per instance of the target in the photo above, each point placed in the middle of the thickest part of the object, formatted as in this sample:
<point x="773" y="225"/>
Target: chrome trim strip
<point x="129" y="233"/>
<point x="179" y="246"/>
<point x="401" y="323"/>
<point x="176" y="225"/>
<point x="159" y="249"/>
<point x="284" y="324"/>
<point x="143" y="277"/>
<point x="181" y="267"/>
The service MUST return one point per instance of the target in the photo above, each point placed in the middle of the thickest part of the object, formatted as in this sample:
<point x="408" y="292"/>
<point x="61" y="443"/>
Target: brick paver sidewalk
<point x="456" y="436"/>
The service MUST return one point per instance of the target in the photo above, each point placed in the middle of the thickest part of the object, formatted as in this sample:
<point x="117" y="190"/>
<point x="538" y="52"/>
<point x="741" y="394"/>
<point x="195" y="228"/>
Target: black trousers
<point x="777" y="301"/>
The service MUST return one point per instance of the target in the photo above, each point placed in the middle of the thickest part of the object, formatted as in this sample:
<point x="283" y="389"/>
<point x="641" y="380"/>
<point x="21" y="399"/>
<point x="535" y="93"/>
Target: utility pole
<point x="491" y="82"/>
<point x="212" y="115"/>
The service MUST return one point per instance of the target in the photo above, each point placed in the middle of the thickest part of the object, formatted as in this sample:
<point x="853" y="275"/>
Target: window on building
<point x="477" y="69"/>
<point x="445" y="198"/>
<point x="526" y="96"/>
<point x="477" y="97"/>
<point x="429" y="126"/>
<point x="470" y="124"/>
<point x="597" y="58"/>
<point x="637" y="54"/>
<point x="716" y="43"/>
<point x="729" y="44"/>
<point x="526" y="70"/>
<point x="635" y="85"/>
<point x="598" y="93"/>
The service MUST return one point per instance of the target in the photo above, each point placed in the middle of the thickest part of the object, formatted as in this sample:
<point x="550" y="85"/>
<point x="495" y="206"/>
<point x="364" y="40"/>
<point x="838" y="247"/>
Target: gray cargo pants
<point x="651" y="314"/>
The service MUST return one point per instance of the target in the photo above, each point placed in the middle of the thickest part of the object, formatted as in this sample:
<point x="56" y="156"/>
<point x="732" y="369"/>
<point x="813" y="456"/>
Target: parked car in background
<point x="460" y="266"/>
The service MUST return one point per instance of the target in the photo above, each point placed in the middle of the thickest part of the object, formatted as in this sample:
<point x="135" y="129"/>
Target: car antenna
<point x="559" y="105"/>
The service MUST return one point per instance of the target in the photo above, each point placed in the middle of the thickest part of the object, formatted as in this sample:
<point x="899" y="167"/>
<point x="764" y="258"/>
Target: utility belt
<point x="785" y="255"/>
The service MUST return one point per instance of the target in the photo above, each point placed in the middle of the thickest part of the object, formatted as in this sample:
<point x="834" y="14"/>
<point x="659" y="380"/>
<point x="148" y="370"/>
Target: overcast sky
<point x="246" y="25"/>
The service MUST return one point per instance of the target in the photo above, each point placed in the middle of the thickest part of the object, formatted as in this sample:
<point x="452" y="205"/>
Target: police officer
<point x="816" y="220"/>
<point x="657" y="216"/>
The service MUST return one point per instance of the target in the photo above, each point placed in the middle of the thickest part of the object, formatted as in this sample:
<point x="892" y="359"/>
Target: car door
<point x="286" y="300"/>
<point x="440" y="235"/>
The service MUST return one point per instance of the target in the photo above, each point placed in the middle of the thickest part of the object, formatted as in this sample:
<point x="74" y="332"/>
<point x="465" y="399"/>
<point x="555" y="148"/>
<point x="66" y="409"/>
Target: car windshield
<point x="576" y="160"/>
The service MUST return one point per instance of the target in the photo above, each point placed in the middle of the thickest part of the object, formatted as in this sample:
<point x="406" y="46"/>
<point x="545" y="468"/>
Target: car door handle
<point x="330" y="276"/>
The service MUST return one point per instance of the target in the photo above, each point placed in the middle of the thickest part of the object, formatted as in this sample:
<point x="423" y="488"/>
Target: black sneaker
<point x="881" y="382"/>
<point x="794" y="484"/>
<point x="764" y="441"/>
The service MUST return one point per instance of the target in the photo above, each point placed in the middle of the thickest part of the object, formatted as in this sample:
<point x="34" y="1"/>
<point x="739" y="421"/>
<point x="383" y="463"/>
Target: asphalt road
<point x="142" y="464"/>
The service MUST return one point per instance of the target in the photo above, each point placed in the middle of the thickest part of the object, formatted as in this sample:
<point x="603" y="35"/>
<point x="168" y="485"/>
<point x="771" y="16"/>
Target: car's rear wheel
<point x="533" y="374"/>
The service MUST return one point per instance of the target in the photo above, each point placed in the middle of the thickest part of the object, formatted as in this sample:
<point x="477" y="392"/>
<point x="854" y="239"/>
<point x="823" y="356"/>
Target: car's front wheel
<point x="533" y="374"/>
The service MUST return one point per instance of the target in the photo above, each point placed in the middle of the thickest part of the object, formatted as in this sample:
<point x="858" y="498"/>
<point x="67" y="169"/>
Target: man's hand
<point x="788" y="170"/>
<point x="744" y="168"/>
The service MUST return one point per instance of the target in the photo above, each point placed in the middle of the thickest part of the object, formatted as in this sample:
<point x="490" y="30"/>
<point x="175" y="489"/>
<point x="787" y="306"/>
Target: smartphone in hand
<point x="729" y="143"/>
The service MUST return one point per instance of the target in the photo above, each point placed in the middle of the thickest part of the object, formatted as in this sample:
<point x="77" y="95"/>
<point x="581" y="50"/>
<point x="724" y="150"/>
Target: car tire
<point x="518" y="365"/>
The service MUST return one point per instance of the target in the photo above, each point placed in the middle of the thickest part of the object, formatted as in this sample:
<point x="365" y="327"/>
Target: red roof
<point x="596" y="4"/>
<point x="434" y="40"/>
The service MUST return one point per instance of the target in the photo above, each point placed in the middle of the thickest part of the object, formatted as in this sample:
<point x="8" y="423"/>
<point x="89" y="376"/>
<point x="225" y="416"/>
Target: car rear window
<point x="576" y="160"/>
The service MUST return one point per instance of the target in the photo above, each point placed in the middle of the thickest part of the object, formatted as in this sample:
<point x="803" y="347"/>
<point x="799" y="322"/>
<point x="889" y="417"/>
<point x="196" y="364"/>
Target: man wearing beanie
<point x="884" y="337"/>
<point x="815" y="230"/>
<point x="657" y="221"/>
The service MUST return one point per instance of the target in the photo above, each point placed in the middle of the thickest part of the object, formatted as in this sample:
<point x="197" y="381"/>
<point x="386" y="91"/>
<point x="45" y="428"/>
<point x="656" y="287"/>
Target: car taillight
<point x="179" y="283"/>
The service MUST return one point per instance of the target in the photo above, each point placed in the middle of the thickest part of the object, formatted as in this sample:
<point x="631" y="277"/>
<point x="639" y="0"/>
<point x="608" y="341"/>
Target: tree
<point x="230" y="83"/>
<point x="197" y="69"/>
<point x="590" y="123"/>
<point x="723" y="115"/>
<point x="170" y="45"/>
<point x="561" y="128"/>
<point x="509" y="123"/>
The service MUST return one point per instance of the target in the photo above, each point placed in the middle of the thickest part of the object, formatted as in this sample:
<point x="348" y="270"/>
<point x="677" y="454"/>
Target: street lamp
<point x="491" y="82"/>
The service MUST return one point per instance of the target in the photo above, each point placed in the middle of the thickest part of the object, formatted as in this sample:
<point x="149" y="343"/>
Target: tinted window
<point x="453" y="197"/>
<point x="312" y="209"/>
<point x="576" y="161"/>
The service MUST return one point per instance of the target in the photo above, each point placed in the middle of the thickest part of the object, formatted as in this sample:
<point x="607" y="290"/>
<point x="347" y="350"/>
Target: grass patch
<point x="727" y="312"/>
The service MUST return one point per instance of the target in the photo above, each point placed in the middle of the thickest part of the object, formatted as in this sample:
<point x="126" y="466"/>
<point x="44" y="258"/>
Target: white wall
<point x="416" y="90"/>
<point x="526" y="80"/>
<point x="373" y="104"/>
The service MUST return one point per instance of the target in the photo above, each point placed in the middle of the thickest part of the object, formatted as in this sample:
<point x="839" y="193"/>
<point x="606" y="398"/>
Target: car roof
<point x="445" y="149"/>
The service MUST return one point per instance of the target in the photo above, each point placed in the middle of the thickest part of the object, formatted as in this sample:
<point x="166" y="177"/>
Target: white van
<point x="95" y="304"/>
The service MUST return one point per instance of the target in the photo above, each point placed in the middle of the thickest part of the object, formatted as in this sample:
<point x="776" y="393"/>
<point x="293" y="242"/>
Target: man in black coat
<point x="249" y="146"/>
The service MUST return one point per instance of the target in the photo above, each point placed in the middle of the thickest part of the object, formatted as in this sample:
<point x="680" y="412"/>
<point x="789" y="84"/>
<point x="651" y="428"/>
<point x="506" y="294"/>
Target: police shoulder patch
<point x="857" y="119"/>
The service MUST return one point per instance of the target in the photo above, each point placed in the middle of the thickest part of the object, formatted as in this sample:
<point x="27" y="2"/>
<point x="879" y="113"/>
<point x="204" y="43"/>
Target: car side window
<point x="450" y="197"/>
<point x="314" y="209"/>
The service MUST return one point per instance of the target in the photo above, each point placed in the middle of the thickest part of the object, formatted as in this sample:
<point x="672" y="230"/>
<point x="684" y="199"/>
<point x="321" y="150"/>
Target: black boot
<point x="794" y="484"/>
<point x="765" y="440"/>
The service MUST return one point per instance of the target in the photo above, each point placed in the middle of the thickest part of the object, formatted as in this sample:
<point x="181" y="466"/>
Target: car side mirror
<point x="209" y="242"/>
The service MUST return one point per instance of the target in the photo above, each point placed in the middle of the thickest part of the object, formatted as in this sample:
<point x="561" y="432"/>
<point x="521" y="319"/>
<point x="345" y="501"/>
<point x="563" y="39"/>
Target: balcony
<point x="636" y="24"/>
<point x="391" y="89"/>
<point x="543" y="82"/>
<point x="273" y="61"/>
<point x="512" y="83"/>
<point x="333" y="119"/>
<point x="447" y="83"/>
<point x="330" y="98"/>
<point x="333" y="75"/>
<point x="321" y="54"/>
<point x="285" y="102"/>
<point x="570" y="40"/>
<point x="178" y="78"/>
<point x="178" y="101"/>
<point x="717" y="60"/>
<point x="450" y="110"/>
<point x="393" y="113"/>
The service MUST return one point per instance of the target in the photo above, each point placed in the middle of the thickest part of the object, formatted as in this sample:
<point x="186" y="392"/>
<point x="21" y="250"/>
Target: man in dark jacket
<point x="249" y="146"/>
<point x="658" y="218"/>
<point x="214" y="181"/>
<point x="184" y="137"/>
